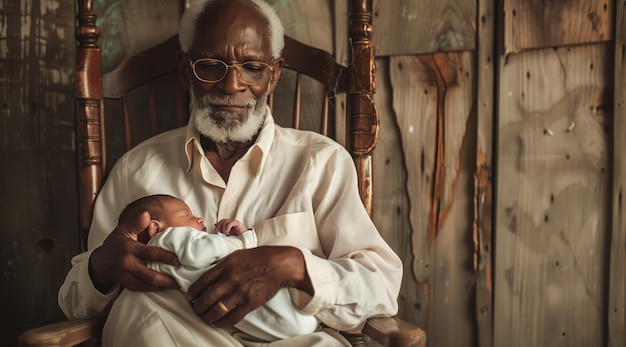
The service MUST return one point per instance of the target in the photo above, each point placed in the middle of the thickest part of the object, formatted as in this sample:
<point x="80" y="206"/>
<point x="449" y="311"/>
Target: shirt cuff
<point x="249" y="238"/>
<point x="91" y="297"/>
<point x="323" y="283"/>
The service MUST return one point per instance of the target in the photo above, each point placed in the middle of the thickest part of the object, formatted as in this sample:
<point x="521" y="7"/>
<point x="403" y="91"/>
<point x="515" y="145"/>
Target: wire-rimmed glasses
<point x="211" y="70"/>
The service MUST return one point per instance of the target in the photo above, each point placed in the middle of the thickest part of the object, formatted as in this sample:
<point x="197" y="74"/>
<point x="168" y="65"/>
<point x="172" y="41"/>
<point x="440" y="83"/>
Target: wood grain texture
<point x="406" y="27"/>
<point x="391" y="201"/>
<point x="38" y="197"/>
<point x="87" y="104"/>
<point x="432" y="102"/>
<point x="617" y="290"/>
<point x="552" y="179"/>
<point x="483" y="175"/>
<point x="538" y="23"/>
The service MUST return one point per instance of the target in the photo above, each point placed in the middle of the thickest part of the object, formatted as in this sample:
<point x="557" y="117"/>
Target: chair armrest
<point x="62" y="334"/>
<point x="394" y="332"/>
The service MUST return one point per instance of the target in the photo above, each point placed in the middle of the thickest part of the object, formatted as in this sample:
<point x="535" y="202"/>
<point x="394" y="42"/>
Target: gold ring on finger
<point x="222" y="307"/>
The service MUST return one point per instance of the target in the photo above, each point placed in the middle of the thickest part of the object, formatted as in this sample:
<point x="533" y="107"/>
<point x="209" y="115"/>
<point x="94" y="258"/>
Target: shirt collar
<point x="259" y="150"/>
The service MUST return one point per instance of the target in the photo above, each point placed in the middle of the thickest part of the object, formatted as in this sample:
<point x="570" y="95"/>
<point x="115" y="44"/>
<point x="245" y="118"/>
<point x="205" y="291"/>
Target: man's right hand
<point x="122" y="260"/>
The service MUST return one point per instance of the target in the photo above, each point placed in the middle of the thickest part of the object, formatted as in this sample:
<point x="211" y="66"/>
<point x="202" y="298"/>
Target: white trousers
<point x="165" y="318"/>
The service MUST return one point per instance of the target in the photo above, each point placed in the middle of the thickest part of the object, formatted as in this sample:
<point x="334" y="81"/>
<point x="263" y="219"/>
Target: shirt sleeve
<point x="360" y="275"/>
<point x="77" y="297"/>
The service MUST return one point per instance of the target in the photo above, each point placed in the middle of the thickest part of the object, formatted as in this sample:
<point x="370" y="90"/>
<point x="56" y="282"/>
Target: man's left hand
<point x="245" y="280"/>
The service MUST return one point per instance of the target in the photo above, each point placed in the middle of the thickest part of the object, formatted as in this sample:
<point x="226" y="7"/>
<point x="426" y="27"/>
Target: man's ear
<point x="277" y="65"/>
<point x="184" y="70"/>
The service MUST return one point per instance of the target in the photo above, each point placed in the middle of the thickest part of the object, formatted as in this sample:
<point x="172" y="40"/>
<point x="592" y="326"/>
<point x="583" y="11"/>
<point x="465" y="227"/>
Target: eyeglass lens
<point x="214" y="70"/>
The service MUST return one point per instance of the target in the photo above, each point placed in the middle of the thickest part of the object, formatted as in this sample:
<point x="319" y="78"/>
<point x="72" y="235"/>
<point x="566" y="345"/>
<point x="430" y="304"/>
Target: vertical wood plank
<point x="483" y="176"/>
<point x="432" y="100"/>
<point x="451" y="250"/>
<point x="617" y="289"/>
<point x="551" y="239"/>
<point x="414" y="106"/>
<point x="391" y="205"/>
<point x="537" y="24"/>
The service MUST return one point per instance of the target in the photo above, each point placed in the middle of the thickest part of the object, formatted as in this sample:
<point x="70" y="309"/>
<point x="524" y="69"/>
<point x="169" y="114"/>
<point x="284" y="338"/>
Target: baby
<point x="174" y="228"/>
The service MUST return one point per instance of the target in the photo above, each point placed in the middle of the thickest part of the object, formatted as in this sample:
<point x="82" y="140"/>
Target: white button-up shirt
<point x="296" y="188"/>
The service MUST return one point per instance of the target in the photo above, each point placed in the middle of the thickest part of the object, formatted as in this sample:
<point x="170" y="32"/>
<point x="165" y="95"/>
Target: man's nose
<point x="232" y="81"/>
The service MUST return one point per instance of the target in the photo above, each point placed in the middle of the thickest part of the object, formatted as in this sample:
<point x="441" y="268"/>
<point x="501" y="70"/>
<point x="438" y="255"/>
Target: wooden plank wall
<point x="553" y="175"/>
<point x="539" y="123"/>
<point x="553" y="185"/>
<point x="540" y="24"/>
<point x="617" y="280"/>
<point x="38" y="200"/>
<point x="424" y="26"/>
<point x="427" y="90"/>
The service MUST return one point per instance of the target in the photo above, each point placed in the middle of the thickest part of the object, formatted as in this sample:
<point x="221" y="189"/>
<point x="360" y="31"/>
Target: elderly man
<point x="297" y="189"/>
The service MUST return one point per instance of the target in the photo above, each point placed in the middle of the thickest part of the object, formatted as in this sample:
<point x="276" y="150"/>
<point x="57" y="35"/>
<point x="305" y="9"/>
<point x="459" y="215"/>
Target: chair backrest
<point x="137" y="99"/>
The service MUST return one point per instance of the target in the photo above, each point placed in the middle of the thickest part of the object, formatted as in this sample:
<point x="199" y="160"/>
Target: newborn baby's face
<point x="179" y="214"/>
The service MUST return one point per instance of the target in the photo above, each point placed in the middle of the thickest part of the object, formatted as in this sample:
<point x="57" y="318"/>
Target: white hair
<point x="189" y="24"/>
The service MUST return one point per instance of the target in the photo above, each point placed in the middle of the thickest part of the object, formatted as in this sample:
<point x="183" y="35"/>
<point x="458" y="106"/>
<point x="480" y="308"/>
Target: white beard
<point x="223" y="127"/>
